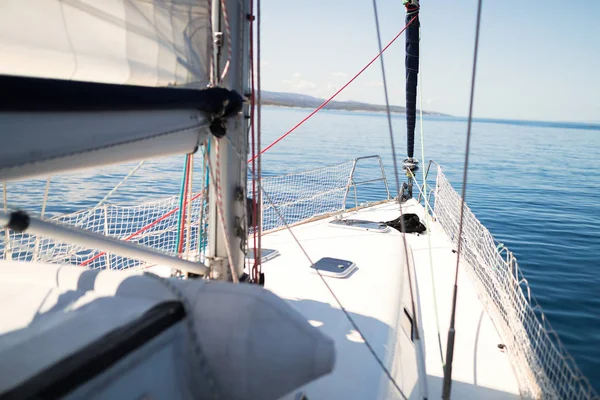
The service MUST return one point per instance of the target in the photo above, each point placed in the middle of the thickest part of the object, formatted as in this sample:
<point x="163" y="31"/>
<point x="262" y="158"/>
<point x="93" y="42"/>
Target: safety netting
<point x="153" y="224"/>
<point x="299" y="196"/>
<point x="542" y="365"/>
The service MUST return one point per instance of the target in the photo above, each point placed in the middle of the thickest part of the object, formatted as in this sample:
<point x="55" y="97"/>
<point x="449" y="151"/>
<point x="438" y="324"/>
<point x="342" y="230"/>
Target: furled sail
<point x="412" y="71"/>
<point x="49" y="126"/>
<point x="87" y="83"/>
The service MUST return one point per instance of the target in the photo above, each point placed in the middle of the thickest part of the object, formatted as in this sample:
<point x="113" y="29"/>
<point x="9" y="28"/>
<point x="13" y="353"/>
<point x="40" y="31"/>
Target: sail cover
<point x="412" y="71"/>
<point x="71" y="332"/>
<point x="133" y="42"/>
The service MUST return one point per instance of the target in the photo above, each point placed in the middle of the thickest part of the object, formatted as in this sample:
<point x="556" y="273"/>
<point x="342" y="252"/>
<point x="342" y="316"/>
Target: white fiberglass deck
<point x="372" y="296"/>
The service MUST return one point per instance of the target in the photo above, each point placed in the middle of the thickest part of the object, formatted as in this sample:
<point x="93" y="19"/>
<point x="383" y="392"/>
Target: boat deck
<point x="374" y="296"/>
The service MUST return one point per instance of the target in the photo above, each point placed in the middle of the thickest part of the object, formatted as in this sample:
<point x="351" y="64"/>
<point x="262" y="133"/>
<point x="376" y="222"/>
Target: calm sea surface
<point x="535" y="186"/>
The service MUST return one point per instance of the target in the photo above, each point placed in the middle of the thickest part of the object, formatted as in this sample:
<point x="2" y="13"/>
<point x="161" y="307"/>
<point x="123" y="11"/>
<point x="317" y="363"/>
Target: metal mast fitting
<point x="227" y="232"/>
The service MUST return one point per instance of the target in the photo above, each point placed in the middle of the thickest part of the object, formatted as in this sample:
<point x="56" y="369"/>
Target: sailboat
<point x="209" y="294"/>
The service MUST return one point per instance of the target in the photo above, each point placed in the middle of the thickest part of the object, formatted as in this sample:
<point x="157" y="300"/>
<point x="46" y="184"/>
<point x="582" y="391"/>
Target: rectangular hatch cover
<point x="334" y="267"/>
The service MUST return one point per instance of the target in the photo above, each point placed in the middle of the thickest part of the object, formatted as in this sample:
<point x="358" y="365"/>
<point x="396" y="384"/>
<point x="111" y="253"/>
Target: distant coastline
<point x="294" y="100"/>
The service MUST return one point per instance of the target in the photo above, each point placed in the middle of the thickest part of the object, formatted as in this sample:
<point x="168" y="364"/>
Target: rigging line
<point x="426" y="199"/>
<point x="220" y="212"/>
<point x="391" y="132"/>
<point x="111" y="192"/>
<point x="139" y="231"/>
<point x="104" y="199"/>
<point x="202" y="201"/>
<point x="258" y="141"/>
<point x="337" y="300"/>
<point x="336" y="93"/>
<point x="189" y="208"/>
<point x="37" y="238"/>
<point x="427" y="207"/>
<point x="256" y="266"/>
<point x="427" y="225"/>
<point x="7" y="250"/>
<point x="182" y="205"/>
<point x="118" y="185"/>
<point x="451" y="331"/>
<point x="211" y="47"/>
<point x="194" y="340"/>
<point x="228" y="35"/>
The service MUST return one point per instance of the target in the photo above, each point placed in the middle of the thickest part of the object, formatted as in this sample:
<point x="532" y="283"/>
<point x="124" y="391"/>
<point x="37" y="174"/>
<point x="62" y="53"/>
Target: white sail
<point x="36" y="144"/>
<point x="134" y="42"/>
<point x="85" y="83"/>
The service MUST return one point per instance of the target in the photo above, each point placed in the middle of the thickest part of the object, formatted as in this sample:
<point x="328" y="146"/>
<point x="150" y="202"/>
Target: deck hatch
<point x="266" y="255"/>
<point x="360" y="224"/>
<point x="334" y="267"/>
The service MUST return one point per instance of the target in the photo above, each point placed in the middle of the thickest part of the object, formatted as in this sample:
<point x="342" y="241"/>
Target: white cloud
<point x="375" y="83"/>
<point x="339" y="75"/>
<point x="299" y="84"/>
<point x="302" y="84"/>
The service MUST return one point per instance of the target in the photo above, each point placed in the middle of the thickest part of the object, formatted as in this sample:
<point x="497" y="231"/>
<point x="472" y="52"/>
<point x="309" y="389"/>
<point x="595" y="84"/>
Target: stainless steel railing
<point x="354" y="184"/>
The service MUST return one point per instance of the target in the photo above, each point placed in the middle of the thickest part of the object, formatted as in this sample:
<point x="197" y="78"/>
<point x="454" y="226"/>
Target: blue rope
<point x="181" y="200"/>
<point x="203" y="226"/>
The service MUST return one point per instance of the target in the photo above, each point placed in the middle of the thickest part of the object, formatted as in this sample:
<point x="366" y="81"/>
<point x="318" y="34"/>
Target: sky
<point x="538" y="59"/>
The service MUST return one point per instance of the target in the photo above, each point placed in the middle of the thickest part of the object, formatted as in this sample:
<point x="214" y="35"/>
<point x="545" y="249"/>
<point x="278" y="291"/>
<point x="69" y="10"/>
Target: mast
<point x="227" y="231"/>
<point x="412" y="70"/>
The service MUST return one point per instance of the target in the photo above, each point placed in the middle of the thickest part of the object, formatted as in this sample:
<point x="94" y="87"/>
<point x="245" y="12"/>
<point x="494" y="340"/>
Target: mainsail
<point x="146" y="43"/>
<point x="88" y="83"/>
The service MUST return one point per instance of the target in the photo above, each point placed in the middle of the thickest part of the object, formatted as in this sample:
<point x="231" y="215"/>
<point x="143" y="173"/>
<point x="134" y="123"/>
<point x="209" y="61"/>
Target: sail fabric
<point x="133" y="42"/>
<point x="44" y="143"/>
<point x="50" y="126"/>
<point x="412" y="71"/>
<point x="232" y="341"/>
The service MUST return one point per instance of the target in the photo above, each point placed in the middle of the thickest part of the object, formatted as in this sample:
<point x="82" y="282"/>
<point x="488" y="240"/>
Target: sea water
<point x="533" y="185"/>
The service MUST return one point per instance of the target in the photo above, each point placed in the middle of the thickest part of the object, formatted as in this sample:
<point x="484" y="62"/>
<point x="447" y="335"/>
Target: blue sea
<point x="534" y="185"/>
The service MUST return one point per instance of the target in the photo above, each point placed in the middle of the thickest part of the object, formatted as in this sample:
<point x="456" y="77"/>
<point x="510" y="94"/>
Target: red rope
<point x="254" y="156"/>
<point x="185" y="203"/>
<point x="145" y="228"/>
<point x="336" y="93"/>
<point x="256" y="267"/>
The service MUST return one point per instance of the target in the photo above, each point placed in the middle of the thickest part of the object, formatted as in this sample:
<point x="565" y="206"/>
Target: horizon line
<point x="592" y="125"/>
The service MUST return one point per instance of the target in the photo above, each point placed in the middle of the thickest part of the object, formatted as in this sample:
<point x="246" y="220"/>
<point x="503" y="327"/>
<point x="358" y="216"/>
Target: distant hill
<point x="304" y="101"/>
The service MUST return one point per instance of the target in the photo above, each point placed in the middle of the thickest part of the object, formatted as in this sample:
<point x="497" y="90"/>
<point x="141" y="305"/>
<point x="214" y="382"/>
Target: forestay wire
<point x="337" y="300"/>
<point x="446" y="390"/>
<point x="427" y="215"/>
<point x="287" y="226"/>
<point x="399" y="197"/>
<point x="392" y="145"/>
<point x="258" y="200"/>
<point x="334" y="95"/>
